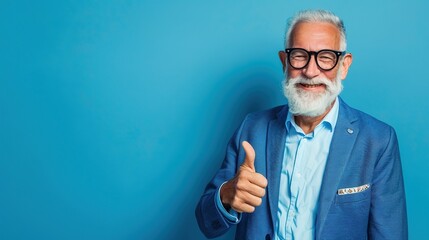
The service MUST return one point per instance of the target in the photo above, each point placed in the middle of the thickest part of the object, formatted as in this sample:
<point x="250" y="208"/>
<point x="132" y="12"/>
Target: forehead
<point x="315" y="36"/>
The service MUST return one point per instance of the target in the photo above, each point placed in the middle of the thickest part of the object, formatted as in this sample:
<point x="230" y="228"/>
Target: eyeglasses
<point x="326" y="59"/>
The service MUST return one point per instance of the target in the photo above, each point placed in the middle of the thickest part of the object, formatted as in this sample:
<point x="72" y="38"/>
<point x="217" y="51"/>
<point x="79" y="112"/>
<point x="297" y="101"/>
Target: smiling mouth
<point x="312" y="85"/>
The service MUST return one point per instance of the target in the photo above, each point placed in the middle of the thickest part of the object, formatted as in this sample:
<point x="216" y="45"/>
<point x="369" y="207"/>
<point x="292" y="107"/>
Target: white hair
<point x="317" y="16"/>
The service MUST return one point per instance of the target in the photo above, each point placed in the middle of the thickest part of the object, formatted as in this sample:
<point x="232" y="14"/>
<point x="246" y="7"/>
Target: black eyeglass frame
<point x="337" y="53"/>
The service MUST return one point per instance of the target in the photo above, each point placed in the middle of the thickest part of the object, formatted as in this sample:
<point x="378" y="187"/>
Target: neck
<point x="308" y="124"/>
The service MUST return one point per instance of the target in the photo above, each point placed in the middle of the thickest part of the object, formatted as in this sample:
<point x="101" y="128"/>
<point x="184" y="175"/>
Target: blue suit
<point x="363" y="151"/>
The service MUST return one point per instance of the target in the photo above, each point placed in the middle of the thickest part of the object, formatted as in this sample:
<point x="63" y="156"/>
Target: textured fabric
<point x="301" y="177"/>
<point x="363" y="151"/>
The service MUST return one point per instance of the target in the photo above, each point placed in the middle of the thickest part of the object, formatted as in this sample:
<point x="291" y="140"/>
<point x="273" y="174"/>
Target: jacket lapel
<point x="276" y="137"/>
<point x="342" y="143"/>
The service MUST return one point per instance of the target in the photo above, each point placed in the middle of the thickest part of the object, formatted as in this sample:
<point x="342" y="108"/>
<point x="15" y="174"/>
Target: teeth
<point x="311" y="85"/>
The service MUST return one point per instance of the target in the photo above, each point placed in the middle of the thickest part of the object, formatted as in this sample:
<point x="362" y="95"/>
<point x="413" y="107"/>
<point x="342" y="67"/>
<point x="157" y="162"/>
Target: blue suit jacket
<point x="363" y="151"/>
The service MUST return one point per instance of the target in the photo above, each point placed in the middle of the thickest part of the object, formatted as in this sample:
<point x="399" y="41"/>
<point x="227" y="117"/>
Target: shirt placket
<point x="296" y="185"/>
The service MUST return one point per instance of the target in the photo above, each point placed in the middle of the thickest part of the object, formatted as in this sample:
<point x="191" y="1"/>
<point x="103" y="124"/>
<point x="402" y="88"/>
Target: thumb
<point x="249" y="160"/>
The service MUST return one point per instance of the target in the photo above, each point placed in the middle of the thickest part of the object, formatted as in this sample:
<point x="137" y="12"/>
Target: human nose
<point x="311" y="70"/>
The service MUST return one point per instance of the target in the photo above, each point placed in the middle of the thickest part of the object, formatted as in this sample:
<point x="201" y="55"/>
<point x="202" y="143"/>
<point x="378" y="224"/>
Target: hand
<point x="245" y="191"/>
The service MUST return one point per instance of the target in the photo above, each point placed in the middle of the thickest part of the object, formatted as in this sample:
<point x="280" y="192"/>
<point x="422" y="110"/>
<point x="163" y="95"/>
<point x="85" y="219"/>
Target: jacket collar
<point x="276" y="138"/>
<point x="342" y="143"/>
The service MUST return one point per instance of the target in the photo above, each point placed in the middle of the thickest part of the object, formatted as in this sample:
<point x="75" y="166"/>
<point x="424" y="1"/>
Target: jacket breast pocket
<point x="353" y="197"/>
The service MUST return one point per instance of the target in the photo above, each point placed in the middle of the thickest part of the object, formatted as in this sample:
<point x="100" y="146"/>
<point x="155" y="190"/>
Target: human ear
<point x="282" y="56"/>
<point x="345" y="65"/>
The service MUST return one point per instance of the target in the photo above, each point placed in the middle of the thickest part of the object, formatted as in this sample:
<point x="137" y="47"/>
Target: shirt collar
<point x="329" y="121"/>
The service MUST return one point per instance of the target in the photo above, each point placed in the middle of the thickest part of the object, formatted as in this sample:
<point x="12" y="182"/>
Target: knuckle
<point x="241" y="176"/>
<point x="239" y="197"/>
<point x="240" y="185"/>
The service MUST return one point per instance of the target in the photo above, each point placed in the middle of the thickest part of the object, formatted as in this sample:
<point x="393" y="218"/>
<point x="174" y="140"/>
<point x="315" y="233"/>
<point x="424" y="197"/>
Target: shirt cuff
<point x="231" y="215"/>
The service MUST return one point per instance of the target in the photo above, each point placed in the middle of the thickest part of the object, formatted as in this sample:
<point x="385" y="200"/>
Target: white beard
<point x="307" y="103"/>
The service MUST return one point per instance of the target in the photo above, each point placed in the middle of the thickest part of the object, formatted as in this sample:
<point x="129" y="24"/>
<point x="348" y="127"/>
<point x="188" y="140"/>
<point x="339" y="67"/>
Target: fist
<point x="245" y="191"/>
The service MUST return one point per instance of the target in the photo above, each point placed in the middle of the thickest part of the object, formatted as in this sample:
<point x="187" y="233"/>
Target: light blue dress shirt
<point x="303" y="166"/>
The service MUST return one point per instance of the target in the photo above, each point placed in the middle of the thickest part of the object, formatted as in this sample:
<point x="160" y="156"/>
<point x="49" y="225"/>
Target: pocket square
<point x="344" y="191"/>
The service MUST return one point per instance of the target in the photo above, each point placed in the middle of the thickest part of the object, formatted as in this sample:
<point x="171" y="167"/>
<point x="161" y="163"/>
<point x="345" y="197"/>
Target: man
<point x="315" y="168"/>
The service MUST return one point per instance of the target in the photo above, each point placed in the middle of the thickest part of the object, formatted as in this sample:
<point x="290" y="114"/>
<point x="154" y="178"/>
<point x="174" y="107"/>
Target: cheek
<point x="331" y="75"/>
<point x="293" y="73"/>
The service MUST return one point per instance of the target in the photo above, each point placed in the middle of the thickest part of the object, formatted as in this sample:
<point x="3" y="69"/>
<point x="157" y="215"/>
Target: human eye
<point x="299" y="56"/>
<point x="327" y="57"/>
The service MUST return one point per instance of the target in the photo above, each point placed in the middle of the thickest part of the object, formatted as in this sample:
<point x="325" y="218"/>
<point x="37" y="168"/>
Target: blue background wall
<point x="115" y="114"/>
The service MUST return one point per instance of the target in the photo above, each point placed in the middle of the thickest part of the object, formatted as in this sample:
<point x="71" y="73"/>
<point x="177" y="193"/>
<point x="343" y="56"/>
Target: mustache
<point x="330" y="86"/>
<point x="314" y="81"/>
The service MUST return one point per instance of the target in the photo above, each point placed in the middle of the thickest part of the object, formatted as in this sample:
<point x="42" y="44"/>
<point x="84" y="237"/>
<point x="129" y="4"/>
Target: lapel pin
<point x="349" y="130"/>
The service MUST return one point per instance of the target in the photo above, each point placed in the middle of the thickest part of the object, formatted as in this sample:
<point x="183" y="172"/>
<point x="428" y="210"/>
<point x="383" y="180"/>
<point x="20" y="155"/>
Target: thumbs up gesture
<point x="245" y="191"/>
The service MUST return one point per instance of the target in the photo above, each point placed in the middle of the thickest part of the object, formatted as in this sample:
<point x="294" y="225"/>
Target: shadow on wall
<point x="248" y="89"/>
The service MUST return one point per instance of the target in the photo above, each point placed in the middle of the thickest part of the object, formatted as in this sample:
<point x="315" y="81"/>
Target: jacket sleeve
<point x="209" y="217"/>
<point x="388" y="215"/>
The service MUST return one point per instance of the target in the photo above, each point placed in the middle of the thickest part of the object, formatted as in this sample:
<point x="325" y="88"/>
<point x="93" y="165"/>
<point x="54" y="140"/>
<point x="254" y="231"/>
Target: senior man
<point x="314" y="168"/>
